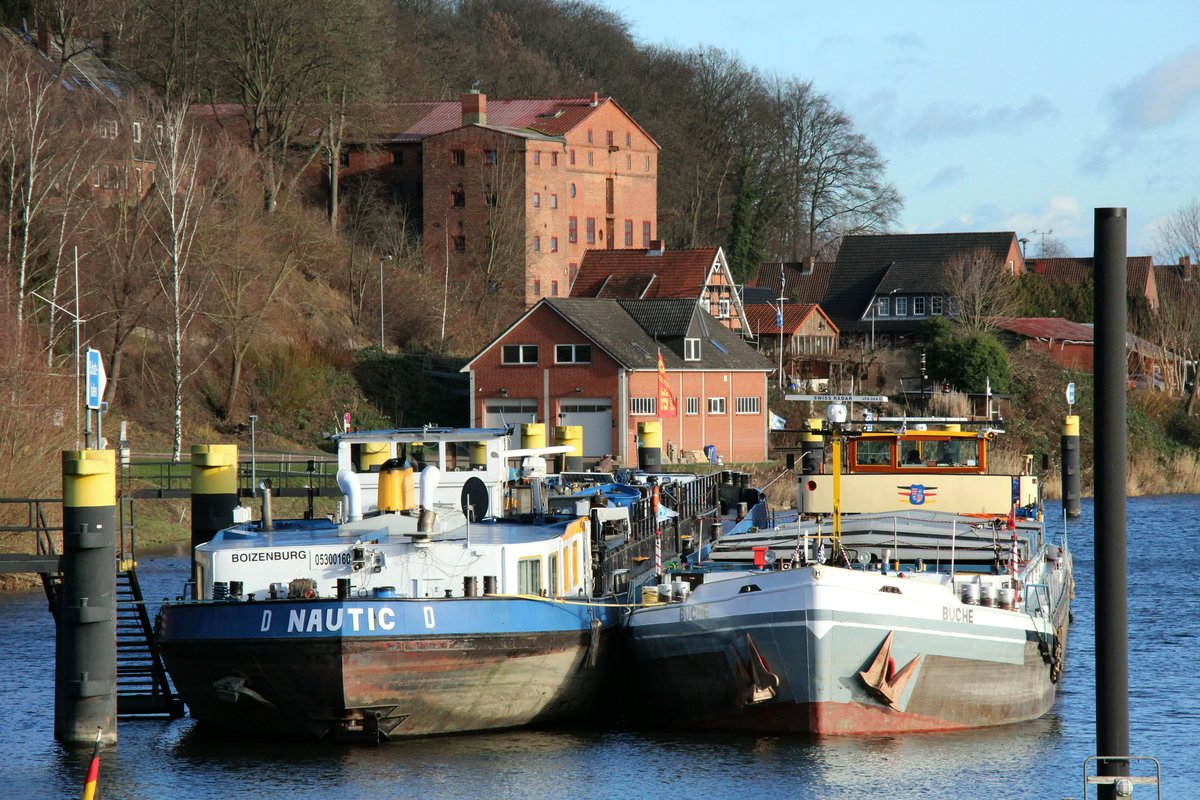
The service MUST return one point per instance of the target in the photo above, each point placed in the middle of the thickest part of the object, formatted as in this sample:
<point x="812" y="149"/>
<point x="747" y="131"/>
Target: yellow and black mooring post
<point x="85" y="688"/>
<point x="649" y="450"/>
<point x="214" y="493"/>
<point x="1070" y="466"/>
<point x="812" y="448"/>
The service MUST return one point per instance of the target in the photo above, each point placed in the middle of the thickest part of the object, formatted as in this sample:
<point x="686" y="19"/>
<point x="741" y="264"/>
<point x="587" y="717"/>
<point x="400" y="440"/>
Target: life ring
<point x="309" y="594"/>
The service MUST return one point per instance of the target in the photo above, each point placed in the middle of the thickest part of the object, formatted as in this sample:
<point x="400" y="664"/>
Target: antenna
<point x="1043" y="234"/>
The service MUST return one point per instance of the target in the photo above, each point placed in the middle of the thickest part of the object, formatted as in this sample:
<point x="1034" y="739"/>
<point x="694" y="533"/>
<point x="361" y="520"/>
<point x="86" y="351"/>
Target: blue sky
<point x="1016" y="116"/>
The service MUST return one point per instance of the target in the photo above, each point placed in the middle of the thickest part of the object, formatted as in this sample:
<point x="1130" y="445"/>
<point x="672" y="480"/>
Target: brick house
<point x="699" y="274"/>
<point x="564" y="175"/>
<point x="594" y="363"/>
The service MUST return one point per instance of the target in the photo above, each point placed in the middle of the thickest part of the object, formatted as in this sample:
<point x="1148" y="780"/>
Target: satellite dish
<point x="770" y="557"/>
<point x="475" y="499"/>
<point x="864" y="558"/>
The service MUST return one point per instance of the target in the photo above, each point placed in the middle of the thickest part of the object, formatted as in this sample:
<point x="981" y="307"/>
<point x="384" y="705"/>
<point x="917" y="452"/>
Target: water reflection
<point x="158" y="760"/>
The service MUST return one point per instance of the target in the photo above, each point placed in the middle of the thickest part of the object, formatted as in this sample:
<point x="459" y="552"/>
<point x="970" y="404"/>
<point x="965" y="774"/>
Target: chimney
<point x="806" y="266"/>
<point x="595" y="99"/>
<point x="43" y="36"/>
<point x="474" y="108"/>
<point x="1186" y="269"/>
<point x="656" y="248"/>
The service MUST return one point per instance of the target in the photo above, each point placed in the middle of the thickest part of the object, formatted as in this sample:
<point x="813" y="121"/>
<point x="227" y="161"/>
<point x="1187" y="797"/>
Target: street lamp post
<point x="253" y="459"/>
<point x="383" y="259"/>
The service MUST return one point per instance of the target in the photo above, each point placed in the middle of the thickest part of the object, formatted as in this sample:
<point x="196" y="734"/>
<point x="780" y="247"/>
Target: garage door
<point x="498" y="413"/>
<point x="595" y="415"/>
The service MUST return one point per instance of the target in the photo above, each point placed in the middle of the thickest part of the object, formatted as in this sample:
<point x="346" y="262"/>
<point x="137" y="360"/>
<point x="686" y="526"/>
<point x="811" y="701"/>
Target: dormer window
<point x="691" y="349"/>
<point x="883" y="307"/>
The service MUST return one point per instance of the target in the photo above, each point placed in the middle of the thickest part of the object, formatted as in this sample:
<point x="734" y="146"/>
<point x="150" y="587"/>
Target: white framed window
<point x="537" y="199"/>
<point x="901" y="306"/>
<point x="919" y="306"/>
<point x="643" y="406"/>
<point x="519" y="354"/>
<point x="935" y="305"/>
<point x="573" y="354"/>
<point x="723" y="309"/>
<point x="529" y="576"/>
<point x="691" y="349"/>
<point x="135" y="132"/>
<point x="747" y="405"/>
<point x="883" y="307"/>
<point x="716" y="405"/>
<point x="692" y="406"/>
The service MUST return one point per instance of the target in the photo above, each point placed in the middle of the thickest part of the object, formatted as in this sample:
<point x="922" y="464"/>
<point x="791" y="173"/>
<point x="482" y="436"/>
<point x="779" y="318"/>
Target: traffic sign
<point x="1071" y="394"/>
<point x="96" y="379"/>
<point x="346" y="422"/>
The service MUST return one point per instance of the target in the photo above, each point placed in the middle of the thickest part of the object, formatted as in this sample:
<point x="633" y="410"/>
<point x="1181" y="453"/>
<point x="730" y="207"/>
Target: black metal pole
<point x="1112" y="612"/>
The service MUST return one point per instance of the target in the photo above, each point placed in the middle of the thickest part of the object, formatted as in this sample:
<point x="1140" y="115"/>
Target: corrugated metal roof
<point x="1055" y="328"/>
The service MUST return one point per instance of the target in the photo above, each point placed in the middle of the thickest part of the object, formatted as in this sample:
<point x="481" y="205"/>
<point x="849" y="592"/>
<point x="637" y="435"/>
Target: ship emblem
<point x="883" y="680"/>
<point x="917" y="493"/>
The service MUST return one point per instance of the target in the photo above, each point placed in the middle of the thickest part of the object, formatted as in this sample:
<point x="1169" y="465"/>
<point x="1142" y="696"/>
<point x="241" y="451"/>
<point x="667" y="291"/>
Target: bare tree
<point x="1176" y="325"/>
<point x="978" y="289"/>
<point x="1179" y="235"/>
<point x="180" y="199"/>
<point x="41" y="151"/>
<point x="834" y="175"/>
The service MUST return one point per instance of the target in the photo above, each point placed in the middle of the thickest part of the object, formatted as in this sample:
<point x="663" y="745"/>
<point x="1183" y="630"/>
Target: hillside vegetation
<point x="218" y="289"/>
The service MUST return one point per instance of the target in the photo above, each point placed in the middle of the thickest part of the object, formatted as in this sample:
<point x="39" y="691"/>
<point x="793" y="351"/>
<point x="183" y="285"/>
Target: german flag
<point x="90" y="788"/>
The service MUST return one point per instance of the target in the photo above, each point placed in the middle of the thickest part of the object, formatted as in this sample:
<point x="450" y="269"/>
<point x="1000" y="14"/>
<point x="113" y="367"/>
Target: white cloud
<point x="940" y="120"/>
<point x="946" y="176"/>
<point x="1161" y="96"/>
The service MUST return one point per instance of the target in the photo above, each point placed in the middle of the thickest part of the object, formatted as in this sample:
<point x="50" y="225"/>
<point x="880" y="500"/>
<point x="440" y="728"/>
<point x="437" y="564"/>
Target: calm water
<point x="1041" y="759"/>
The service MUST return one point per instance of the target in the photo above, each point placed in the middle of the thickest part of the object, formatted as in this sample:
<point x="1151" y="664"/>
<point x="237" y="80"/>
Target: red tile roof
<point x="1075" y="270"/>
<point x="413" y="120"/>
<point x="635" y="274"/>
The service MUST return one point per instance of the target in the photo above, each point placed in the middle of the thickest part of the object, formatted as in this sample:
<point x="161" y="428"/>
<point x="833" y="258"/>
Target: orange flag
<point x="666" y="400"/>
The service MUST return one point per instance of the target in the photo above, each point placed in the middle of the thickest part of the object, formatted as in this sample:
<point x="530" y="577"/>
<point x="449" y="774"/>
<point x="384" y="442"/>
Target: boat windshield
<point x="913" y="453"/>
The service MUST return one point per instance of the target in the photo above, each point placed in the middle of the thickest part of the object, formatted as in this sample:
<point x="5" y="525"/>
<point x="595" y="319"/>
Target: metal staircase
<point x="143" y="688"/>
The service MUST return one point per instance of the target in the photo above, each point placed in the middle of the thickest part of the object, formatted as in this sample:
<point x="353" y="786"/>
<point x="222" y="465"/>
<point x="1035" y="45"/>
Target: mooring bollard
<point x="85" y="689"/>
<point x="1070" y="466"/>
